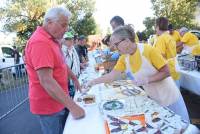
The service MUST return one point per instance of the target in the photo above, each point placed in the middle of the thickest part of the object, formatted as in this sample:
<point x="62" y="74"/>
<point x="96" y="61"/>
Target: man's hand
<point x="77" y="112"/>
<point x="82" y="66"/>
<point x="77" y="85"/>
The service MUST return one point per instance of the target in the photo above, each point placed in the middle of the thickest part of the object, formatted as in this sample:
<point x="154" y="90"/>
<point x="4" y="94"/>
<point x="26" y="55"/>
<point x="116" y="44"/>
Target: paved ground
<point x="193" y="105"/>
<point x="21" y="121"/>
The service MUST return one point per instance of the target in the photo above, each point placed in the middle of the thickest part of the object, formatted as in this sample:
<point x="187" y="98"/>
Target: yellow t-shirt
<point x="150" y="53"/>
<point x="176" y="36"/>
<point x="196" y="50"/>
<point x="136" y="38"/>
<point x="190" y="39"/>
<point x="153" y="39"/>
<point x="167" y="46"/>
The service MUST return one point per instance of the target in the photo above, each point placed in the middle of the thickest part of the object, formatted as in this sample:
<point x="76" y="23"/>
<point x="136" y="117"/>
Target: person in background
<point x="48" y="74"/>
<point x="71" y="59"/>
<point x="152" y="39"/>
<point x="196" y="50"/>
<point x="16" y="56"/>
<point x="117" y="21"/>
<point x="188" y="40"/>
<point x="82" y="49"/>
<point x="150" y="70"/>
<point x="141" y="37"/>
<point x="75" y="39"/>
<point x="167" y="47"/>
<point x="114" y="55"/>
<point x="175" y="35"/>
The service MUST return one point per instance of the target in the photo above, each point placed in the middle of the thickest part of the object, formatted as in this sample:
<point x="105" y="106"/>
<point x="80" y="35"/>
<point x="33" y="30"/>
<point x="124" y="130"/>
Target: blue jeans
<point x="53" y="124"/>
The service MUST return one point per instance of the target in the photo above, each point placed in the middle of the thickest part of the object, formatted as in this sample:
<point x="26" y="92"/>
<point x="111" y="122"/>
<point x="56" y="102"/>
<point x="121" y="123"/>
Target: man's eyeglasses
<point x="64" y="25"/>
<point x="117" y="43"/>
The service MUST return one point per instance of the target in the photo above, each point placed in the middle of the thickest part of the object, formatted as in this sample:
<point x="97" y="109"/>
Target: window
<point x="7" y="52"/>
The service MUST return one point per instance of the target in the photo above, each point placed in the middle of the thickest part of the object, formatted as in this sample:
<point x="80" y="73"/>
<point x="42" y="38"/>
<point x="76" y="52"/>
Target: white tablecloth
<point x="92" y="123"/>
<point x="190" y="80"/>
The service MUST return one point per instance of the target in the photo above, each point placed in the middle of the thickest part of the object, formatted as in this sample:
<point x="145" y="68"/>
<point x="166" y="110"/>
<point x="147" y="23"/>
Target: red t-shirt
<point x="42" y="51"/>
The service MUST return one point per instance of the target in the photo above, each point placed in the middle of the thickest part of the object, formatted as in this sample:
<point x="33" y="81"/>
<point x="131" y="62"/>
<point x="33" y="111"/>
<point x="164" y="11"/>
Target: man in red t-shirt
<point x="48" y="73"/>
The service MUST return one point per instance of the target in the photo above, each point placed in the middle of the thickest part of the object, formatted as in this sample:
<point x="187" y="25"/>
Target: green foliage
<point x="108" y="31"/>
<point x="23" y="16"/>
<point x="179" y="12"/>
<point x="82" y="11"/>
<point x="85" y="26"/>
<point x="150" y="26"/>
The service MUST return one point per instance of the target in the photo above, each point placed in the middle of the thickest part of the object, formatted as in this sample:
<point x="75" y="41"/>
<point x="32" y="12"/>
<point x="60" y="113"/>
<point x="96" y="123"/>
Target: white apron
<point x="165" y="92"/>
<point x="188" y="48"/>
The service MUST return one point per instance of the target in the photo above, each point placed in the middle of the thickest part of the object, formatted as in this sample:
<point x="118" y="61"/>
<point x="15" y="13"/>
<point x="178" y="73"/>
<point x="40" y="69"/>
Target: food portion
<point x="89" y="99"/>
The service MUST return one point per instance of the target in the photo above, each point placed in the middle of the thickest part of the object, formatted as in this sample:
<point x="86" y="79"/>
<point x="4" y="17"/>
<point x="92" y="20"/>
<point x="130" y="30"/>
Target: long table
<point x="190" y="80"/>
<point x="93" y="122"/>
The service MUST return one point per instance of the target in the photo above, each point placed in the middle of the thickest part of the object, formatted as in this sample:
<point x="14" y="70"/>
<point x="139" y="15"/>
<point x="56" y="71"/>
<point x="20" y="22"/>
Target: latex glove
<point x="141" y="81"/>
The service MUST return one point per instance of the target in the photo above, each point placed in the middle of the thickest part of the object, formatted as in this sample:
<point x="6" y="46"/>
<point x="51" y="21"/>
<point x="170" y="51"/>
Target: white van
<point x="6" y="57"/>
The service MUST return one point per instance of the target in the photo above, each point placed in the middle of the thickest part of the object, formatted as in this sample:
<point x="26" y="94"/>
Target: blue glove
<point x="115" y="56"/>
<point x="106" y="51"/>
<point x="129" y="75"/>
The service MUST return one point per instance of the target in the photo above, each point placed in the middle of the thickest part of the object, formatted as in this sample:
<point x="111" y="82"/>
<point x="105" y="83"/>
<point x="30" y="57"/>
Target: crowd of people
<point x="55" y="57"/>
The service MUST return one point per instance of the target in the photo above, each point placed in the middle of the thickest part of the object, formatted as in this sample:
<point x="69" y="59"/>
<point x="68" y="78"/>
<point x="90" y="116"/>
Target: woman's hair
<point x="183" y="29"/>
<point x="55" y="12"/>
<point x="162" y="23"/>
<point x="124" y="32"/>
<point x="106" y="40"/>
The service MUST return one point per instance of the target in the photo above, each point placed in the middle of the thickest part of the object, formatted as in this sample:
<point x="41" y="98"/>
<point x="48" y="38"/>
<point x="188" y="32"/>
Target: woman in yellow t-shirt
<point x="147" y="68"/>
<point x="167" y="46"/>
<point x="188" y="40"/>
<point x="196" y="50"/>
<point x="176" y="36"/>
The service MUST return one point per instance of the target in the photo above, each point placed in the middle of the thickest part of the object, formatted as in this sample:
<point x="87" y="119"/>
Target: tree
<point x="108" y="31"/>
<point x="82" y="11"/>
<point x="85" y="26"/>
<point x="23" y="16"/>
<point x="150" y="26"/>
<point x="179" y="12"/>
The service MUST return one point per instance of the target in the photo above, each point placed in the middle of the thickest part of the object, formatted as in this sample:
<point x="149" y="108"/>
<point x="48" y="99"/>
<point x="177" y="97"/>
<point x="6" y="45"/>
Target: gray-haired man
<point x="48" y="73"/>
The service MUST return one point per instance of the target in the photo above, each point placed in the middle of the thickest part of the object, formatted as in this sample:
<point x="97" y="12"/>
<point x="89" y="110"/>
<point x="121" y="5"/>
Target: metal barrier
<point x="13" y="88"/>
